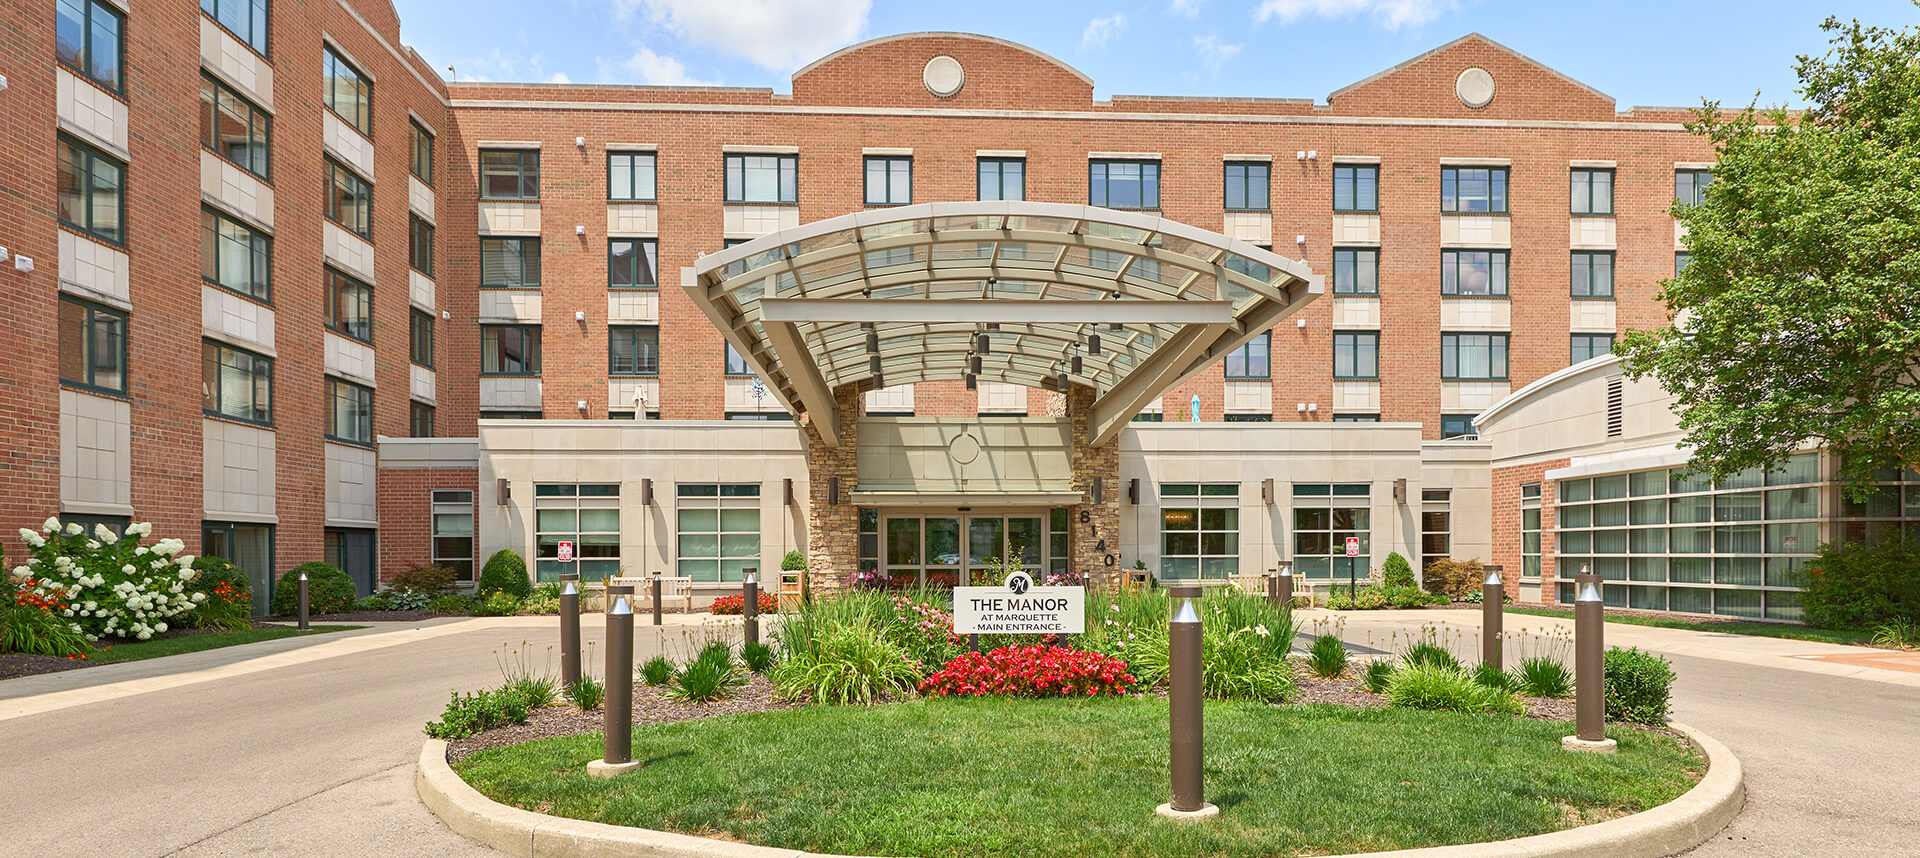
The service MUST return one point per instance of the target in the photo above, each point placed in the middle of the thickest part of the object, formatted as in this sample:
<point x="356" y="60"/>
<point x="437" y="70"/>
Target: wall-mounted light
<point x="580" y="405"/>
<point x="3" y="83"/>
<point x="1099" y="488"/>
<point x="580" y="229"/>
<point x="1313" y="155"/>
<point x="646" y="491"/>
<point x="1299" y="323"/>
<point x="502" y="491"/>
<point x="1266" y="491"/>
<point x="1313" y="406"/>
<point x="444" y="314"/>
<point x="833" y="491"/>
<point x="1300" y="239"/>
<point x="786" y="486"/>
<point x="579" y="141"/>
<point x="579" y="315"/>
<point x="1300" y="407"/>
<point x="1133" y="491"/>
<point x="22" y="264"/>
<point x="1300" y="155"/>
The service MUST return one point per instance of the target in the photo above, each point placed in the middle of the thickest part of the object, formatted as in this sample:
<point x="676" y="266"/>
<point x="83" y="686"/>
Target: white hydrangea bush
<point x="112" y="586"/>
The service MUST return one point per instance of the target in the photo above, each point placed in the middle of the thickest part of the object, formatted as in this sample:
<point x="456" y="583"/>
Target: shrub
<point x="505" y="572"/>
<point x="329" y="590"/>
<point x="1857" y="586"/>
<point x="1492" y="676"/>
<point x="845" y="662"/>
<point x="1449" y="689"/>
<point x="452" y="605"/>
<point x="756" y="656"/>
<point x="375" y="602"/>
<point x="704" y="680"/>
<point x="1540" y="676"/>
<point x="115" y="586"/>
<point x="1327" y="657"/>
<point x="794" y="561"/>
<point x="537" y="691"/>
<point x="656" y="671"/>
<point x="409" y="600"/>
<point x="499" y="603"/>
<point x="736" y="604"/>
<point x="227" y="602"/>
<point x="1029" y="671"/>
<point x="586" y="693"/>
<point x="468" y="714"/>
<point x="1639" y="685"/>
<point x="1454" y="579"/>
<point x="717" y="652"/>
<point x="1429" y="654"/>
<point x="538" y="604"/>
<point x="37" y="625"/>
<point x="1376" y="676"/>
<point x="430" y="579"/>
<point x="1901" y="633"/>
<point x="1397" y="572"/>
<point x="546" y="590"/>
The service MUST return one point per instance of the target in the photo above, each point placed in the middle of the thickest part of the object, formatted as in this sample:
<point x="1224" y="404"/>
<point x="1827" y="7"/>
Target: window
<point x="889" y="180"/>
<point x="350" y="412"/>
<point x="1356" y="418"/>
<point x="1246" y="417"/>
<point x="1592" y="272"/>
<point x="631" y="177"/>
<point x="1199" y="530"/>
<point x="1590" y="346"/>
<point x="233" y="128"/>
<point x="763" y="178"/>
<point x="235" y="384"/>
<point x="1680" y="260"/>
<point x="419" y="419"/>
<point x="509" y="263"/>
<point x="1356" y="188"/>
<point x="250" y="547"/>
<point x="234" y="256"/>
<point x="633" y="350"/>
<point x="1251" y="360"/>
<point x="510" y="174"/>
<point x="1473" y="190"/>
<point x="1147" y="417"/>
<point x="1530" y="530"/>
<point x="1436" y="529"/>
<point x="587" y="515"/>
<point x="348" y="92"/>
<point x="1690" y="186"/>
<point x="422" y="151"/>
<point x="92" y="190"/>
<point x="1356" y="355"/>
<point x="510" y="415"/>
<point x="1003" y="179"/>
<point x="631" y="263"/>
<point x="737" y="365"/>
<point x="452" y="511"/>
<point x="245" y="19"/>
<point x="763" y="415"/>
<point x="93" y="346"/>
<point x="420" y="244"/>
<point x="1592" y="192"/>
<point x="1456" y="425"/>
<point x="1473" y="272"/>
<point x="1356" y="271"/>
<point x="509" y="349"/>
<point x="1124" y="184"/>
<point x="87" y="37"/>
<point x="717" y="530"/>
<point x="1473" y="357"/>
<point x="420" y="338"/>
<point x="1247" y="187"/>
<point x="350" y="550"/>
<point x="349" y="306"/>
<point x="349" y="200"/>
<point x="1325" y="515"/>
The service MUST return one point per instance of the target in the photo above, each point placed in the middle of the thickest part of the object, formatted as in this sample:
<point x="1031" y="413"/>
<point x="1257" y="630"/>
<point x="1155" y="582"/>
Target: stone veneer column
<point x="1102" y="524"/>
<point x="833" y="530"/>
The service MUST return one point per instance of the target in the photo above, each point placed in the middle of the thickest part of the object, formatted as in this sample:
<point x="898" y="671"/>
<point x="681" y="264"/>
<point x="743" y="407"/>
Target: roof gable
<point x="1429" y="86"/>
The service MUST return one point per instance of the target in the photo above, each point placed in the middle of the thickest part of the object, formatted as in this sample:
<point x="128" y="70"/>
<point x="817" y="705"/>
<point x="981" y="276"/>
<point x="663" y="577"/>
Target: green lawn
<point x="1070" y="778"/>
<point x="1765" y="630"/>
<point x="138" y="650"/>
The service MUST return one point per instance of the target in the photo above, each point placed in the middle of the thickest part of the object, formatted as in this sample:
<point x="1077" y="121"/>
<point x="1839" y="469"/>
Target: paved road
<point x="306" y="747"/>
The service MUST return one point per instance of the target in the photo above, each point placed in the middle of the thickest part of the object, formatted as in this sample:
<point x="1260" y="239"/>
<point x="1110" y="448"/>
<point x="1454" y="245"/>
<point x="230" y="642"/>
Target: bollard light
<point x="616" y="748"/>
<point x="1185" y="714"/>
<point x="750" y="607"/>
<point x="656" y="598"/>
<point x="1492" y="616"/>
<point x="569" y="632"/>
<point x="1286" y="584"/>
<point x="1589" y="671"/>
<point x="303" y="601"/>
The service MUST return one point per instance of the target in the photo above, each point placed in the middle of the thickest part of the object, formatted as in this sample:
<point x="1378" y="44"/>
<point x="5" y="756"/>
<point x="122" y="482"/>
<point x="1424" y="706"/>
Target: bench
<point x="672" y="588"/>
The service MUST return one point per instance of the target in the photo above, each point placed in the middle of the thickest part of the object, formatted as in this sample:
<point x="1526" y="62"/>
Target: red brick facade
<point x="1507" y="521"/>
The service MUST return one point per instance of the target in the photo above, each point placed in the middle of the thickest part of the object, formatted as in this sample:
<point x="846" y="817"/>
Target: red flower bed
<point x="1030" y="671"/>
<point x="737" y="603"/>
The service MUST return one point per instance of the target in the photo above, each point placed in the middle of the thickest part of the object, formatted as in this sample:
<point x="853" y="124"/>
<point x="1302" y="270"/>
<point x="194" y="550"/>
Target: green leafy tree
<point x="1798" y="316"/>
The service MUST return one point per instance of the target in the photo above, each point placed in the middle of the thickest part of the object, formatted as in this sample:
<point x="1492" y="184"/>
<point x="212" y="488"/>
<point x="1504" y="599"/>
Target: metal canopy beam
<point x="1011" y="311"/>
<point x="784" y="337"/>
<point x="1150" y="379"/>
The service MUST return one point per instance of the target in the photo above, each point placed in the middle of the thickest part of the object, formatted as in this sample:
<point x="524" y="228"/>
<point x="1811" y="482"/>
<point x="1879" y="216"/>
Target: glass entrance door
<point x="948" y="550"/>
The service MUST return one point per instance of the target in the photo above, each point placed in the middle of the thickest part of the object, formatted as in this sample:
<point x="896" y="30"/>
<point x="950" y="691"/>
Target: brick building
<point x="415" y="294"/>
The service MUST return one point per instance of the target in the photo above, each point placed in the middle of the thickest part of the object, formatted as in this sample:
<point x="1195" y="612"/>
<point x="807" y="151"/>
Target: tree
<point x="1798" y="316"/>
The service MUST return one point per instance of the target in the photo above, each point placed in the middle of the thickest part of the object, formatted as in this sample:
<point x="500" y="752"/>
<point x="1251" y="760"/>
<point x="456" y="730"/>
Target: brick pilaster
<point x="833" y="525"/>
<point x="1095" y="527"/>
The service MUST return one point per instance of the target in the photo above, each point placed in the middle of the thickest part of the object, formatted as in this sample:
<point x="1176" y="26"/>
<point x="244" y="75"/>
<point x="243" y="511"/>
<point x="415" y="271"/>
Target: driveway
<point x="306" y="747"/>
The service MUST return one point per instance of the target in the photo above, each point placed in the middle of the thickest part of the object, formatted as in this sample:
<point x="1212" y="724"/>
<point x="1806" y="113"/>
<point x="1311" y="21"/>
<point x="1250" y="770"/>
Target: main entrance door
<point x="944" y="550"/>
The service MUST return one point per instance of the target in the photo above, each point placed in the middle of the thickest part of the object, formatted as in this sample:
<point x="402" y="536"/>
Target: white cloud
<point x="1189" y="8"/>
<point x="1388" y="14"/>
<point x="777" y="34"/>
<point x="559" y="77"/>
<point x="651" y="69"/>
<point x="1213" y="54"/>
<point x="501" y="65"/>
<point x="1101" y="30"/>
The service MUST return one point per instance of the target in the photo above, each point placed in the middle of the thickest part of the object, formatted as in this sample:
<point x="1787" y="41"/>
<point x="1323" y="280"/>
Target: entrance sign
<point x="1353" y="546"/>
<point x="1018" y="607"/>
<point x="566" y="552"/>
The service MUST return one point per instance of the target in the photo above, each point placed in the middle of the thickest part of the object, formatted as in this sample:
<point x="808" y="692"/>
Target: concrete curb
<point x="1680" y="824"/>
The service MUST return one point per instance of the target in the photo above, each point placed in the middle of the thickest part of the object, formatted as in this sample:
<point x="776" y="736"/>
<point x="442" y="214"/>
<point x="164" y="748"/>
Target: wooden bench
<point x="672" y="588"/>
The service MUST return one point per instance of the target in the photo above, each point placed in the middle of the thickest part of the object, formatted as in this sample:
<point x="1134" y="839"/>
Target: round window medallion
<point x="964" y="449"/>
<point x="1475" y="88"/>
<point x="943" y="76"/>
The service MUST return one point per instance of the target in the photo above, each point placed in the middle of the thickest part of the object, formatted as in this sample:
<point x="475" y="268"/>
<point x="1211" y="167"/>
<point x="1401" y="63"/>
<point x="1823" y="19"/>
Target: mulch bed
<point x="15" y="664"/>
<point x="650" y="706"/>
<point x="351" y="617"/>
<point x="1347" y="690"/>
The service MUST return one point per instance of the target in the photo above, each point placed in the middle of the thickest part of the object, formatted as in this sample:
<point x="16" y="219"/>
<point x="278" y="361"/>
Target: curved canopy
<point x="1036" y="294"/>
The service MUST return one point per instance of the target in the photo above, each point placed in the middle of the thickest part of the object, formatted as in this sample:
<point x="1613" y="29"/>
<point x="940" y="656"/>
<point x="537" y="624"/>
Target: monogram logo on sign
<point x="1018" y="582"/>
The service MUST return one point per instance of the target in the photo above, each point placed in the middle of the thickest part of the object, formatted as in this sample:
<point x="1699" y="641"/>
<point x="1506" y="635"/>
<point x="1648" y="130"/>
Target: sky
<point x="1640" y="52"/>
